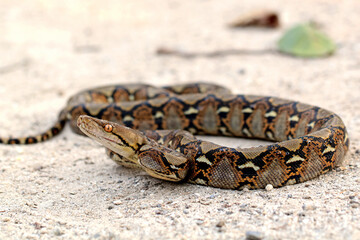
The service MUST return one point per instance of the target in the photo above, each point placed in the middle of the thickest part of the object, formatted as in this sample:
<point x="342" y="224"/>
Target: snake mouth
<point x="93" y="130"/>
<point x="110" y="140"/>
<point x="88" y="127"/>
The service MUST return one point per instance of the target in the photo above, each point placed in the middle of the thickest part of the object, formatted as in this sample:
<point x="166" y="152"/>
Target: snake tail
<point x="54" y="130"/>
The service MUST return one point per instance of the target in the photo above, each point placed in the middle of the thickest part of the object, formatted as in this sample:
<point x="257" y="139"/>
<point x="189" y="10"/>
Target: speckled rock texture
<point x="67" y="188"/>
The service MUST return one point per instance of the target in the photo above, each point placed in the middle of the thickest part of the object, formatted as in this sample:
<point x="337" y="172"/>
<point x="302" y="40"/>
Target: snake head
<point x="120" y="139"/>
<point x="159" y="161"/>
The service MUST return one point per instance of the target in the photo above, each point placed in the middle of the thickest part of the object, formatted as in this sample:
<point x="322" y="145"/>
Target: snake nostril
<point x="79" y="121"/>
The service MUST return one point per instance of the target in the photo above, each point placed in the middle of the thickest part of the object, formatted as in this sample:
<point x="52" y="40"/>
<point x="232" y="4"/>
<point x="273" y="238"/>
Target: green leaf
<point x="306" y="41"/>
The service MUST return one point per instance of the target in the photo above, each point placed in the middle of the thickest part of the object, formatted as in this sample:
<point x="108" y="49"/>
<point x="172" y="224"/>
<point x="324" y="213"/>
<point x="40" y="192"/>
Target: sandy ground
<point x="67" y="188"/>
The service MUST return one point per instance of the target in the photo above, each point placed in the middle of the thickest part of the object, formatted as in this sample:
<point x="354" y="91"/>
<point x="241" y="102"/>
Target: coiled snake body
<point x="309" y="140"/>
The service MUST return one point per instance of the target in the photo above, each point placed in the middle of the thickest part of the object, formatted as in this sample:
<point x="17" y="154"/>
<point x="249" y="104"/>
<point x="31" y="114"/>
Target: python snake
<point x="133" y="121"/>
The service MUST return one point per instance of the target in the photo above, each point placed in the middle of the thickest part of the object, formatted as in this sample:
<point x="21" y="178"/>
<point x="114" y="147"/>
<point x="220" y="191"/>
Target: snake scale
<point x="152" y="128"/>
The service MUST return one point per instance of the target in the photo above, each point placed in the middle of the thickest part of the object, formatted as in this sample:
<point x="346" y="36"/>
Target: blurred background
<point x="52" y="49"/>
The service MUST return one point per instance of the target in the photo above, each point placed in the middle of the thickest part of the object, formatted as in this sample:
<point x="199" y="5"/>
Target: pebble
<point x="37" y="226"/>
<point x="204" y="202"/>
<point x="212" y="196"/>
<point x="354" y="204"/>
<point x="199" y="221"/>
<point x="308" y="207"/>
<point x="220" y="224"/>
<point x="269" y="187"/>
<point x="254" y="235"/>
<point x="117" y="202"/>
<point x="57" y="232"/>
<point x="197" y="195"/>
<point x="160" y="212"/>
<point x="38" y="167"/>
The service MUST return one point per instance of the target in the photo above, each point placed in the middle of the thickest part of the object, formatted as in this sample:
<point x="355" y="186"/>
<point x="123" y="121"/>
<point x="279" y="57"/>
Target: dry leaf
<point x="264" y="18"/>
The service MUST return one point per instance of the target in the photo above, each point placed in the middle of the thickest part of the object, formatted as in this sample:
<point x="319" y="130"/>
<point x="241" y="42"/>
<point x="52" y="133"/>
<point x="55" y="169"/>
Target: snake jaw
<point x="122" y="140"/>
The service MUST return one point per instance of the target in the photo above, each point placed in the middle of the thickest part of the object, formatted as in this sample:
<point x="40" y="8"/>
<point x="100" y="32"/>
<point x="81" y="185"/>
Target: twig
<point x="216" y="53"/>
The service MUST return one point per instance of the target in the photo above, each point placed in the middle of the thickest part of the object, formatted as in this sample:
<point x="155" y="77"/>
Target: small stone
<point x="185" y="211"/>
<point x="341" y="168"/>
<point x="227" y="205"/>
<point x="57" y="232"/>
<point x="199" y="221"/>
<point x="197" y="195"/>
<point x="38" y="167"/>
<point x="117" y="202"/>
<point x="301" y="214"/>
<point x="308" y="207"/>
<point x="38" y="225"/>
<point x="357" y="151"/>
<point x="269" y="187"/>
<point x="97" y="235"/>
<point x="220" y="224"/>
<point x="245" y="189"/>
<point x="160" y="212"/>
<point x="110" y="207"/>
<point x="354" y="205"/>
<point x="212" y="196"/>
<point x="204" y="202"/>
<point x="254" y="235"/>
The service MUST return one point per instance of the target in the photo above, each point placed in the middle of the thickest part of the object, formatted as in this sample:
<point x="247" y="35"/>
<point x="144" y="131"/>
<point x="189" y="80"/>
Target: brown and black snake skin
<point x="309" y="140"/>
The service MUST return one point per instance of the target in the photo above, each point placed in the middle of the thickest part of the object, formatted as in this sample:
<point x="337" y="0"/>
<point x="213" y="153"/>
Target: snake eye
<point x="108" y="128"/>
